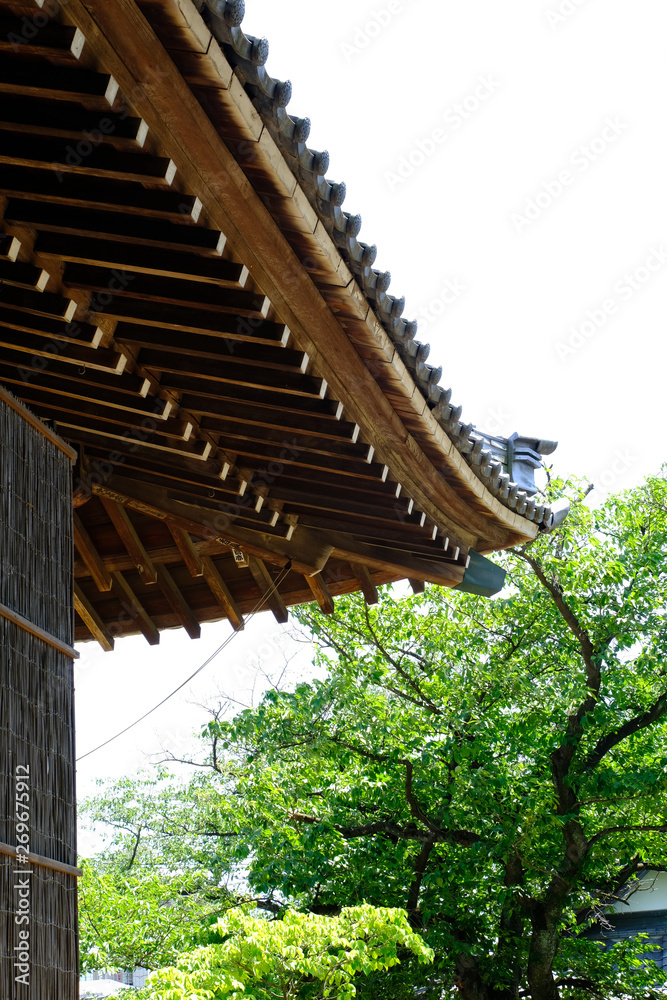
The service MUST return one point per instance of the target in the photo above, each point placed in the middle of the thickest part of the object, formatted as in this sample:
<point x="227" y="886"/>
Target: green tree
<point x="496" y="768"/>
<point x="142" y="903"/>
<point x="300" y="954"/>
<point x="127" y="921"/>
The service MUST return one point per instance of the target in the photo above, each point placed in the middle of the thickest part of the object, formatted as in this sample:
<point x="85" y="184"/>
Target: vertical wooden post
<point x="38" y="890"/>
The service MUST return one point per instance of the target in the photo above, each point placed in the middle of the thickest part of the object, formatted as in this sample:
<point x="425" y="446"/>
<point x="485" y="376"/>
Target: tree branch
<point x="426" y="702"/>
<point x="570" y="619"/>
<point x="411" y="798"/>
<point x="640" y="828"/>
<point x="579" y="983"/>
<point x="412" y="903"/>
<point x="561" y="759"/>
<point x="136" y="848"/>
<point x="629" y="728"/>
<point x="465" y="838"/>
<point x="381" y="758"/>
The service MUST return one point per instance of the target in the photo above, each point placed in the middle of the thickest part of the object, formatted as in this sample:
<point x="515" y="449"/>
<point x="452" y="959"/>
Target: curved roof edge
<point x="505" y="466"/>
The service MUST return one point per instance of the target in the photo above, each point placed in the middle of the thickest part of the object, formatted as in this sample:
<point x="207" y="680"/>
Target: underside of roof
<point x="184" y="300"/>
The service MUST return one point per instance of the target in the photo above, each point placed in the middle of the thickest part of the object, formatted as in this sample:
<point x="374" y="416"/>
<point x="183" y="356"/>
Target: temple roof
<point x="486" y="455"/>
<point x="184" y="299"/>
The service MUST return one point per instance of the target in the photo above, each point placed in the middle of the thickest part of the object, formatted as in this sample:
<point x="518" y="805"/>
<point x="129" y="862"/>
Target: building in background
<point x="643" y="912"/>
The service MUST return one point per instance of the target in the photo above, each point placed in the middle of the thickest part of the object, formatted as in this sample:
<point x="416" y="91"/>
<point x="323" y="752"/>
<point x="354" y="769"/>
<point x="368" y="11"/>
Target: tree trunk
<point x="543" y="947"/>
<point x="472" y="987"/>
<point x="468" y="980"/>
<point x="511" y="926"/>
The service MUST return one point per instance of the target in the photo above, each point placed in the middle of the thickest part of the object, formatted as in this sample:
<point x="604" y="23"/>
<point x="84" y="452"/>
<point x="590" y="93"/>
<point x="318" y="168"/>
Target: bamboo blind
<point x="36" y="702"/>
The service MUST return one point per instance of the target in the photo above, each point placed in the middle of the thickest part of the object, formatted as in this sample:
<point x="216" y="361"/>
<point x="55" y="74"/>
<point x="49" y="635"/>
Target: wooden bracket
<point x="321" y="593"/>
<point x="92" y="620"/>
<point x="267" y="587"/>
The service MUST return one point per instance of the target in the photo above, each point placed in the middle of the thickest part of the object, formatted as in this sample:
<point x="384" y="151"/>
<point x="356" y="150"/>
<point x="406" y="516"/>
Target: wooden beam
<point x="307" y="550"/>
<point x="29" y="78"/>
<point x="62" y="407"/>
<point x="321" y="593"/>
<point x="23" y="275"/>
<point x="55" y="328"/>
<point x="225" y="371"/>
<point x="203" y="389"/>
<point x="131" y="541"/>
<point x="9" y="246"/>
<point x="40" y="860"/>
<point x="96" y="192"/>
<point x="260" y="453"/>
<point x="42" y="152"/>
<point x="135" y="609"/>
<point x="55" y="118"/>
<point x="91" y="556"/>
<point x="48" y="386"/>
<point x="126" y="43"/>
<point x="100" y="359"/>
<point x="130" y="385"/>
<point x="365" y="581"/>
<point x="304" y="439"/>
<point x="397" y="562"/>
<point x="81" y="249"/>
<point x="269" y="413"/>
<point x="381" y="510"/>
<point x="24" y="623"/>
<point x="163" y="335"/>
<point x="418" y="586"/>
<point x="43" y="303"/>
<point x="86" y="222"/>
<point x="222" y="594"/>
<point x="163" y="554"/>
<point x="57" y="42"/>
<point x="92" y="620"/>
<point x="264" y="581"/>
<point x="177" y="602"/>
<point x="98" y="433"/>
<point x="186" y="547"/>
<point x="180" y="291"/>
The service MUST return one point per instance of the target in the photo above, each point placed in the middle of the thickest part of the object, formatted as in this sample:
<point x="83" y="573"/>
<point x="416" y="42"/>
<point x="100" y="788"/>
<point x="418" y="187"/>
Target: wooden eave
<point x="172" y="303"/>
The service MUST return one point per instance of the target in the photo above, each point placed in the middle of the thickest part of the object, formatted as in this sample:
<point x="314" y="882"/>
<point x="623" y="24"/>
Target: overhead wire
<point x="258" y="606"/>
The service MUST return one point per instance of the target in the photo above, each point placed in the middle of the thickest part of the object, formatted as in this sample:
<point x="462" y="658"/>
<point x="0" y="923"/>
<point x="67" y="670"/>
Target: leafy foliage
<point x="496" y="768"/>
<point x="144" y="920"/>
<point x="263" y="959"/>
<point x="141" y="905"/>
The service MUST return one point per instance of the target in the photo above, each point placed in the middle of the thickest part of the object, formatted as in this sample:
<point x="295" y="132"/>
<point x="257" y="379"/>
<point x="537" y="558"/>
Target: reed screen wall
<point x="37" y="794"/>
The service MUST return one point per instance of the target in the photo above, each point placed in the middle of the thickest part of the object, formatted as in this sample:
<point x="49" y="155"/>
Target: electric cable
<point x="258" y="606"/>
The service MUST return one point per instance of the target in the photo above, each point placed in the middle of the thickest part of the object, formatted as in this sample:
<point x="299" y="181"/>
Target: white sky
<point x="550" y="93"/>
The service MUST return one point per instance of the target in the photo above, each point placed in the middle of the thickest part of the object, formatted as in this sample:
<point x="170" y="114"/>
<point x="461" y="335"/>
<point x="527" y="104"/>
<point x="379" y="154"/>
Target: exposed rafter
<point x="205" y="328"/>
